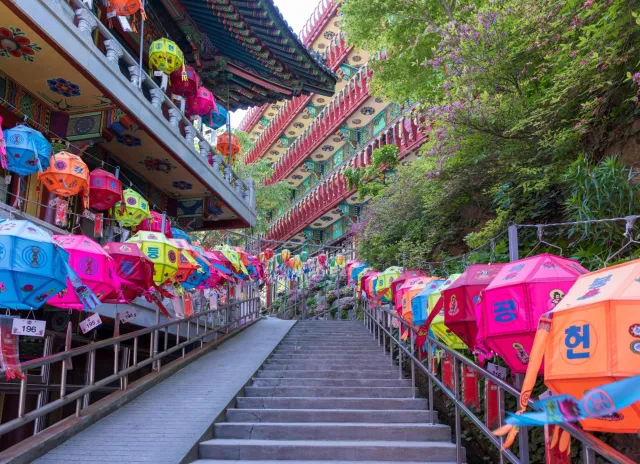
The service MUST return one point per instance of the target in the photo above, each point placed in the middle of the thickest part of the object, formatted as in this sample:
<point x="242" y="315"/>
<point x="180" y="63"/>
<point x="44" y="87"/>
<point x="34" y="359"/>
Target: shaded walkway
<point x="164" y="424"/>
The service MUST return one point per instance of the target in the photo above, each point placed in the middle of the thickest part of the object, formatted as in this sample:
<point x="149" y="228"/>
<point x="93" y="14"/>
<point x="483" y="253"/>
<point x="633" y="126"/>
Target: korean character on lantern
<point x="577" y="339"/>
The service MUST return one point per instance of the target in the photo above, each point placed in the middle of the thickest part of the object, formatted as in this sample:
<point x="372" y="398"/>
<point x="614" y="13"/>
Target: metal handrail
<point x="149" y="82"/>
<point x="382" y="330"/>
<point x="247" y="310"/>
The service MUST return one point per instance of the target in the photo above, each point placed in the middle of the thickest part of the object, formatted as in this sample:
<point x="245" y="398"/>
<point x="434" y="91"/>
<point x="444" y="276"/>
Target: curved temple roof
<point x="258" y="58"/>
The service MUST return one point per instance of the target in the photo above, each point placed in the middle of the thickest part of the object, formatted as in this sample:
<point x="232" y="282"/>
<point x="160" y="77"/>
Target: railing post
<point x="456" y="393"/>
<point x="513" y="243"/>
<point x="413" y="363"/>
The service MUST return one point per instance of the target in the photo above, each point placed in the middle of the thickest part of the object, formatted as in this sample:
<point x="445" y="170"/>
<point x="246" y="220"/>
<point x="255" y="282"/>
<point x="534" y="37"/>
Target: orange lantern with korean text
<point x="67" y="175"/>
<point x="105" y="190"/>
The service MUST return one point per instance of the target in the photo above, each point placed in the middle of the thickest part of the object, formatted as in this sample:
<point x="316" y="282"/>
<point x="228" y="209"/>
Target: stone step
<point x="331" y="431"/>
<point x="321" y="351"/>
<point x="331" y="345"/>
<point x="235" y="461"/>
<point x="324" y="392"/>
<point x="293" y="382"/>
<point x="330" y="338"/>
<point x="388" y="368"/>
<point x="346" y="450"/>
<point x="413" y="404"/>
<point x="390" y="416"/>
<point x="341" y="365"/>
<point x="297" y="355"/>
<point x="328" y="374"/>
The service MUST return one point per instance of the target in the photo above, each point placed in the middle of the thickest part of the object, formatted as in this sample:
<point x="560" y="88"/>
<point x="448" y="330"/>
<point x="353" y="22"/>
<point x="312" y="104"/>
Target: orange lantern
<point x="125" y="8"/>
<point x="66" y="176"/>
<point x="187" y="263"/>
<point x="228" y="149"/>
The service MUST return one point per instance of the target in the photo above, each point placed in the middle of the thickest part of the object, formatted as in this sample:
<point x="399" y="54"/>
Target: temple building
<point x="312" y="139"/>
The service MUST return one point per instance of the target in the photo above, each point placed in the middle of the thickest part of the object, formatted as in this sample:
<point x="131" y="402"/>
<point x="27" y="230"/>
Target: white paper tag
<point x="128" y="315"/>
<point x="125" y="234"/>
<point x="90" y="323"/>
<point x="124" y="22"/>
<point x="497" y="371"/>
<point x="29" y="327"/>
<point x="7" y="179"/>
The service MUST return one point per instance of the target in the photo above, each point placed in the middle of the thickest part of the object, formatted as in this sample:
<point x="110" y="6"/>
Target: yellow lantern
<point x="340" y="261"/>
<point x="166" y="56"/>
<point x="285" y="255"/>
<point x="161" y="251"/>
<point x="132" y="210"/>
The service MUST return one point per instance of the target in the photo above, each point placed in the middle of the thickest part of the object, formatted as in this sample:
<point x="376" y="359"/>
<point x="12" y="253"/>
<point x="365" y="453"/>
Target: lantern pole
<point x="513" y="243"/>
<point x="141" y="48"/>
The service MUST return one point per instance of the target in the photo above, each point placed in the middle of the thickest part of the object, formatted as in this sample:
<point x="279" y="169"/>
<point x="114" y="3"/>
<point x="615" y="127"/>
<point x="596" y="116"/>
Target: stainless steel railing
<point x="379" y="323"/>
<point x="207" y="324"/>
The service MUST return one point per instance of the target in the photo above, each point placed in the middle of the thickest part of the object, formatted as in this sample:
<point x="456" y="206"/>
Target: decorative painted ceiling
<point x="247" y="53"/>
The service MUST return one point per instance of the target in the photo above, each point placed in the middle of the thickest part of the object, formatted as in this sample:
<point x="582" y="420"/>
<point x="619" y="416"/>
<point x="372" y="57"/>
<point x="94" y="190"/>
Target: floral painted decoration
<point x="129" y="140"/>
<point x="182" y="185"/>
<point x="157" y="164"/>
<point x="64" y="87"/>
<point x="14" y="43"/>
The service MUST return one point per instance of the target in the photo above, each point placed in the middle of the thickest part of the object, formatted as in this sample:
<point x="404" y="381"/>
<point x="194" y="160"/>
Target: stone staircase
<point x="328" y="393"/>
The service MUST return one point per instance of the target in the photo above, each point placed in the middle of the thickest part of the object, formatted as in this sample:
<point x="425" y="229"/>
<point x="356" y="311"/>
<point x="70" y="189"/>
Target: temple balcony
<point x="266" y="125"/>
<point x="75" y="45"/>
<point x="324" y="198"/>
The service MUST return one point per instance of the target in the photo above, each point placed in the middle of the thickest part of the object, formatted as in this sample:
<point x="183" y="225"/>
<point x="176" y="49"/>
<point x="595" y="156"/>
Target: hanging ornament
<point x="161" y="251"/>
<point x="166" y="56"/>
<point x="285" y="255"/>
<point x="268" y="253"/>
<point x="217" y="118"/>
<point x="133" y="268"/>
<point x="182" y="87"/>
<point x="27" y="150"/>
<point x="154" y="224"/>
<point x="105" y="190"/>
<point x="201" y="103"/>
<point x="226" y="149"/>
<point x="124" y="8"/>
<point x="67" y="175"/>
<point x="132" y="210"/>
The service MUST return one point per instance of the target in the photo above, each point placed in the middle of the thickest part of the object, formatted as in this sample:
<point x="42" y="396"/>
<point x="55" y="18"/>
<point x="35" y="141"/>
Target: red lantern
<point x="188" y="87"/>
<point x="155" y="225"/>
<point x="268" y="253"/>
<point x="105" y="190"/>
<point x="203" y="102"/>
<point x="125" y="8"/>
<point x="223" y="146"/>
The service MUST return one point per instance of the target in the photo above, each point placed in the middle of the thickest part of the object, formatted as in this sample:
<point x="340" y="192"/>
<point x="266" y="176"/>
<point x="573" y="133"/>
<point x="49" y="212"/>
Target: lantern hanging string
<point x="81" y="152"/>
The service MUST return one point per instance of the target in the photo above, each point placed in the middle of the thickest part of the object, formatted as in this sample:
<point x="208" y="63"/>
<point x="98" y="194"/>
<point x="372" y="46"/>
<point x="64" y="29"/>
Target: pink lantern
<point x="516" y="298"/>
<point x="185" y="87"/>
<point x="94" y="267"/>
<point x="203" y="102"/>
<point x="155" y="225"/>
<point x="460" y="300"/>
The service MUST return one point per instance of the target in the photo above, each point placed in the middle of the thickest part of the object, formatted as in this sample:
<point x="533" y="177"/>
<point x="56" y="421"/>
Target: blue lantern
<point x="198" y="278"/>
<point x="27" y="150"/>
<point x="217" y="119"/>
<point x="179" y="233"/>
<point x="33" y="268"/>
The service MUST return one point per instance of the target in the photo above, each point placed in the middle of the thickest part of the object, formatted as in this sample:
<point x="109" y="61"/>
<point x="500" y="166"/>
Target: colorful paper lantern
<point x="93" y="265"/>
<point x="285" y="255"/>
<point x="461" y="297"/>
<point x="340" y="261"/>
<point x="160" y="251"/>
<point x="27" y="150"/>
<point x="225" y="148"/>
<point x="166" y="56"/>
<point x="444" y="335"/>
<point x="516" y="298"/>
<point x="105" y="190"/>
<point x="154" y="224"/>
<point x="416" y="299"/>
<point x="200" y="277"/>
<point x="217" y="118"/>
<point x="383" y="285"/>
<point x="133" y="268"/>
<point x="188" y="87"/>
<point x="181" y="234"/>
<point x="202" y="102"/>
<point x="132" y="210"/>
<point x="187" y="264"/>
<point x="126" y="7"/>
<point x="268" y="253"/>
<point x="66" y="176"/>
<point x="398" y="286"/>
<point x="32" y="265"/>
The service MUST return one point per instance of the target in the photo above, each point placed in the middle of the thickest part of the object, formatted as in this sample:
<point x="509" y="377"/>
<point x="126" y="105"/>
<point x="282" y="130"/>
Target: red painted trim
<point x="258" y="81"/>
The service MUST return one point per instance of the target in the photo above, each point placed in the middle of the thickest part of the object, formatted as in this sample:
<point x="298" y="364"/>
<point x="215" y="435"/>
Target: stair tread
<point x="331" y="443"/>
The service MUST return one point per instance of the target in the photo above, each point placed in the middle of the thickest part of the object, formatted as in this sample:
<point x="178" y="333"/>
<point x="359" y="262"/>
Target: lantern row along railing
<point x="335" y="54"/>
<point x="332" y="116"/>
<point x="405" y="133"/>
<point x="382" y="323"/>
<point x="317" y="21"/>
<point x="207" y="323"/>
<point x="85" y="21"/>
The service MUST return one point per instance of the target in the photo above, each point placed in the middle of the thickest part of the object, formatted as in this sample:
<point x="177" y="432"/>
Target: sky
<point x="296" y="12"/>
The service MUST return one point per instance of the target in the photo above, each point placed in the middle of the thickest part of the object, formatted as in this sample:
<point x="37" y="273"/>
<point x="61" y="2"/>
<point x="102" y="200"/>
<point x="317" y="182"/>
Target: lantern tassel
<point x="184" y="73"/>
